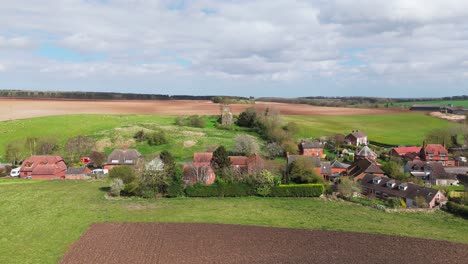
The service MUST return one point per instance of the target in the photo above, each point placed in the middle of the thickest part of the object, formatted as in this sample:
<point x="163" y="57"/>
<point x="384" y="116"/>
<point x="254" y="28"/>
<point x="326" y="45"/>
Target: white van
<point x="100" y="171"/>
<point x="15" y="172"/>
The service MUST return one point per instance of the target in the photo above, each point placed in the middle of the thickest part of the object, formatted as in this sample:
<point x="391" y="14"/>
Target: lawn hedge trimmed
<point x="220" y="190"/>
<point x="457" y="209"/>
<point x="298" y="190"/>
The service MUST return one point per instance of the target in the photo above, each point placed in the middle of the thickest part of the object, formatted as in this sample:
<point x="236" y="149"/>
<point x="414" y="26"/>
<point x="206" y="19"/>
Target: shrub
<point x="274" y="150"/>
<point x="262" y="182"/>
<point x="219" y="190"/>
<point x="298" y="190"/>
<point x="196" y="121"/>
<point x="157" y="138"/>
<point x="175" y="189"/>
<point x="394" y="202"/>
<point x="117" y="186"/>
<point x="125" y="173"/>
<point x="246" y="145"/>
<point x="457" y="209"/>
<point x="140" y="136"/>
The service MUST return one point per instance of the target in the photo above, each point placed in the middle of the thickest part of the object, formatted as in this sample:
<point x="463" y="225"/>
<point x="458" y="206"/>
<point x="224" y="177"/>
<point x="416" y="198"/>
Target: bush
<point x="196" y="121"/>
<point x="117" y="186"/>
<point x="274" y="150"/>
<point x="393" y="202"/>
<point x="262" y="182"/>
<point x="175" y="190"/>
<point x="157" y="138"/>
<point x="125" y="173"/>
<point x="457" y="209"/>
<point x="298" y="190"/>
<point x="219" y="190"/>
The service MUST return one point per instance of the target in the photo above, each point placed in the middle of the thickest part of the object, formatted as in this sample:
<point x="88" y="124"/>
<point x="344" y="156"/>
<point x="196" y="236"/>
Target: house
<point x="401" y="152"/>
<point x="383" y="187"/>
<point x="356" y="138"/>
<point x="312" y="148"/>
<point x="80" y="173"/>
<point x="338" y="167"/>
<point x="201" y="171"/>
<point x="361" y="168"/>
<point x="119" y="157"/>
<point x="43" y="167"/>
<point x="366" y="153"/>
<point x="435" y="152"/>
<point x="432" y="173"/>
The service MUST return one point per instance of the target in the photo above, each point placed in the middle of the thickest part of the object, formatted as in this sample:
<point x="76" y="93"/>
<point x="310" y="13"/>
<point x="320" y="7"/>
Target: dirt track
<point x="26" y="108"/>
<point x="210" y="243"/>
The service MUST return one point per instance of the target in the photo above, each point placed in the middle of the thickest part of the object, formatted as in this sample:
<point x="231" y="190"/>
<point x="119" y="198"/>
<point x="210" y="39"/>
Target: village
<point x="343" y="165"/>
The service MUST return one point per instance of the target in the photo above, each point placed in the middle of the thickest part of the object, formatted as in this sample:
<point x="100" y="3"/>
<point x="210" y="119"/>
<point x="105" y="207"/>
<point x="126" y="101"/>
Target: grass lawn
<point x="463" y="103"/>
<point x="39" y="222"/>
<point x="396" y="129"/>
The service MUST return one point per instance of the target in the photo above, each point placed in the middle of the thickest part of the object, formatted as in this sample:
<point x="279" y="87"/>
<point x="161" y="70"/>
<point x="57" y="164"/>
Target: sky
<point x="261" y="48"/>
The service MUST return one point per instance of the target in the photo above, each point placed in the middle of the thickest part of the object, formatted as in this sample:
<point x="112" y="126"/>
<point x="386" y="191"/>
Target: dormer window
<point x="390" y="184"/>
<point x="376" y="180"/>
<point x="402" y="187"/>
<point x="128" y="161"/>
<point x="115" y="161"/>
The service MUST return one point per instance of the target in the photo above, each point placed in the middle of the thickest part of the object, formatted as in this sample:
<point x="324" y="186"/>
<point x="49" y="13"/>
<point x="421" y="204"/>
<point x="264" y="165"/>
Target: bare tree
<point x="246" y="145"/>
<point x="199" y="173"/>
<point x="79" y="146"/>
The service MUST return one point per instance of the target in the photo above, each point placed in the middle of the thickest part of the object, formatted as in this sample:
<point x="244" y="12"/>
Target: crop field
<point x="396" y="129"/>
<point x="44" y="219"/>
<point x="463" y="103"/>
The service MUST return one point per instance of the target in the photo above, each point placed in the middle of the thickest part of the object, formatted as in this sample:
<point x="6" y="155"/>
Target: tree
<point x="292" y="128"/>
<point x="302" y="170"/>
<point x="125" y="173"/>
<point x="46" y="146"/>
<point x="394" y="170"/>
<point x="14" y="152"/>
<point x="263" y="182"/>
<point x="337" y="140"/>
<point x="440" y="136"/>
<point x="348" y="187"/>
<point x="220" y="158"/>
<point x="140" y="136"/>
<point x="98" y="158"/>
<point x="78" y="147"/>
<point x="246" y="145"/>
<point x="31" y="145"/>
<point x="421" y="202"/>
<point x="248" y="118"/>
<point x="152" y="182"/>
<point x="273" y="150"/>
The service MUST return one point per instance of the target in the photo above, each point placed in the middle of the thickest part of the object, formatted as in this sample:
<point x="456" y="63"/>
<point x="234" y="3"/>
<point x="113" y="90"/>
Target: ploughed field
<point x="214" y="243"/>
<point x="27" y="108"/>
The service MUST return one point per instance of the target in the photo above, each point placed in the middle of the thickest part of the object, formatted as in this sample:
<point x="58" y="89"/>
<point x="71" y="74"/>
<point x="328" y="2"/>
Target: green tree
<point x="302" y="170"/>
<point x="220" y="158"/>
<point x="348" y="187"/>
<point x="78" y="147"/>
<point x="248" y="118"/>
<point x="394" y="170"/>
<point x="157" y="138"/>
<point x="14" y="152"/>
<point x="98" y="158"/>
<point x="421" y="202"/>
<point x="152" y="182"/>
<point x="125" y="173"/>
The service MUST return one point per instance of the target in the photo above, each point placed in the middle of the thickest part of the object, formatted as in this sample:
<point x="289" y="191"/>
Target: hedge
<point x="457" y="209"/>
<point x="298" y="190"/>
<point x="219" y="190"/>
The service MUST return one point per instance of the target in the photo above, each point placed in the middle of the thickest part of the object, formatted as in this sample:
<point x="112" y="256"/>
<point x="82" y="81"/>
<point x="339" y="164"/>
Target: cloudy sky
<point x="399" y="48"/>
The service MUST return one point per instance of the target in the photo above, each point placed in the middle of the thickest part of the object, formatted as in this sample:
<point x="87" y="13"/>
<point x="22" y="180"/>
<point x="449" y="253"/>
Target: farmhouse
<point x="43" y="167"/>
<point x="338" y="167"/>
<point x="361" y="168"/>
<point x="79" y="173"/>
<point x="432" y="173"/>
<point x="356" y="138"/>
<point x="119" y="157"/>
<point x="435" y="152"/>
<point x="383" y="187"/>
<point x="311" y="148"/>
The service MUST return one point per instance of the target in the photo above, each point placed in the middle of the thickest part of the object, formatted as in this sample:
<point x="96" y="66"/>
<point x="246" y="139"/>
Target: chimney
<point x="443" y="144"/>
<point x="287" y="154"/>
<point x="125" y="148"/>
<point x="424" y="143"/>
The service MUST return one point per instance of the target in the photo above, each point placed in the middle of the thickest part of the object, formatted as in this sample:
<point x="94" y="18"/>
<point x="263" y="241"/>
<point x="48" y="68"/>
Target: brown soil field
<point x="215" y="243"/>
<point x="27" y="108"/>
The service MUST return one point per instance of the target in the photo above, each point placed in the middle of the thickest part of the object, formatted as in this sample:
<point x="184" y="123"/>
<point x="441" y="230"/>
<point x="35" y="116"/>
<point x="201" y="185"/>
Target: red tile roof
<point x="202" y="157"/>
<point x="50" y="166"/>
<point x="435" y="149"/>
<point x="238" y="160"/>
<point x="404" y="150"/>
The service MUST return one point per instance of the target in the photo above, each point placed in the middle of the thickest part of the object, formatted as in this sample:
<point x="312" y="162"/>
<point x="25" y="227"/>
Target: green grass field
<point x="114" y="131"/>
<point x="39" y="222"/>
<point x="463" y="103"/>
<point x="396" y="129"/>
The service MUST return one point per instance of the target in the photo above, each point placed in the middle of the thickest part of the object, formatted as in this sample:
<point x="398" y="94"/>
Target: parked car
<point x="15" y="172"/>
<point x="100" y="171"/>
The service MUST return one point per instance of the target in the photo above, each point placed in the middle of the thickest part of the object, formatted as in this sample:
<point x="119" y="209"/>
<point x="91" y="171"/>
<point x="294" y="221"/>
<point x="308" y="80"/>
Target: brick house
<point x="383" y="187"/>
<point x="311" y="148"/>
<point x="43" y="167"/>
<point x="365" y="153"/>
<point x="119" y="157"/>
<point x="356" y="138"/>
<point x="435" y="152"/>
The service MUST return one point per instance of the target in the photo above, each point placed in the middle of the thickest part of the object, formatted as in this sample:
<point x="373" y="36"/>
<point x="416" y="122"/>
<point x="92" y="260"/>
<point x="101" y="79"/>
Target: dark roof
<point x="411" y="192"/>
<point x="463" y="178"/>
<point x="366" y="152"/>
<point x="311" y="145"/>
<point x="338" y="165"/>
<point x="79" y="170"/>
<point x="314" y="160"/>
<point x="434" y="170"/>
<point x="325" y="168"/>
<point x="363" y="166"/>
<point x="123" y="157"/>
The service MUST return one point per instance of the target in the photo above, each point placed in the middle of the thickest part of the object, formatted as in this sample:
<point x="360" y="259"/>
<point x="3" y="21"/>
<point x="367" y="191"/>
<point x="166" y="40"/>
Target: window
<point x="384" y="195"/>
<point x="378" y="192"/>
<point x="128" y="161"/>
<point x="115" y="161"/>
